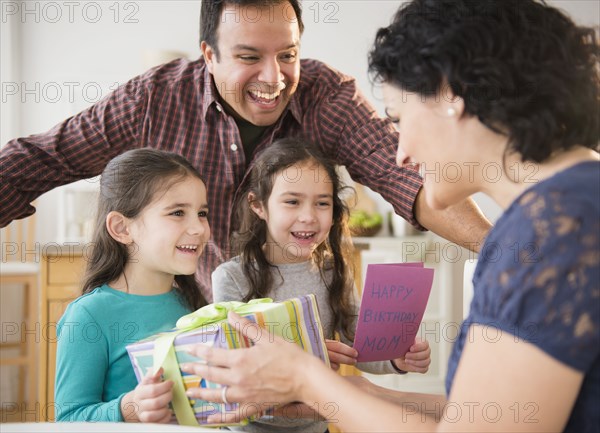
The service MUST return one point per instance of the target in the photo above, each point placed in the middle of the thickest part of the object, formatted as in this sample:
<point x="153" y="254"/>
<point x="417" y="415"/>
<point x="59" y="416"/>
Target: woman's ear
<point x="451" y="106"/>
<point x="117" y="226"/>
<point x="256" y="206"/>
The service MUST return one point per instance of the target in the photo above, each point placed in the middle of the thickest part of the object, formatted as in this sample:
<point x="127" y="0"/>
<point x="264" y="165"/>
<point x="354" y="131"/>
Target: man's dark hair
<point x="523" y="68"/>
<point x="210" y="16"/>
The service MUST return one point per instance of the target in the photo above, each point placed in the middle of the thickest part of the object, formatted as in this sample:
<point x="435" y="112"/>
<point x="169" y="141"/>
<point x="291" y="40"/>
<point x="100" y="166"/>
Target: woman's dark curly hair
<point x="523" y="68"/>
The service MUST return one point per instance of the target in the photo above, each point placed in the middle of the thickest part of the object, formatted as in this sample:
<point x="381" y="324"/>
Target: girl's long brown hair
<point x="332" y="255"/>
<point x="128" y="184"/>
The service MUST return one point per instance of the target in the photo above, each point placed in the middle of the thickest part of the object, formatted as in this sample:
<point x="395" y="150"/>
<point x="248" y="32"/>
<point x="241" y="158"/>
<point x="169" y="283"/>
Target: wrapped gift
<point x="295" y="320"/>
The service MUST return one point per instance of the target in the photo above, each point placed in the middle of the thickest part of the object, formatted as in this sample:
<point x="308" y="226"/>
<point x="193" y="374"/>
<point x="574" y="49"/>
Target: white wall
<point x="98" y="44"/>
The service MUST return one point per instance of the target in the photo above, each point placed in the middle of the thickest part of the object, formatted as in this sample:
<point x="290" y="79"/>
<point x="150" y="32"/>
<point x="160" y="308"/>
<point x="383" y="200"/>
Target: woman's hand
<point x="340" y="353"/>
<point x="417" y="359"/>
<point x="267" y="374"/>
<point x="149" y="401"/>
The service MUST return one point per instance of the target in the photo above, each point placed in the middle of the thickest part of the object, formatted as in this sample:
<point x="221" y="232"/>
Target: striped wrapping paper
<point x="295" y="320"/>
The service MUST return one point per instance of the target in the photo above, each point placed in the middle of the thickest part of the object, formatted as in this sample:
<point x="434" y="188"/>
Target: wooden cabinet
<point x="62" y="270"/>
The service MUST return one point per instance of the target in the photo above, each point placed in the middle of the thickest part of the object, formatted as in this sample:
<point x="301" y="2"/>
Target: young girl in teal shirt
<point x="151" y="227"/>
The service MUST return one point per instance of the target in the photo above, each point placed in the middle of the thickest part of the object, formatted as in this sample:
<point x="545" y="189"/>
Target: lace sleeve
<point x="538" y="277"/>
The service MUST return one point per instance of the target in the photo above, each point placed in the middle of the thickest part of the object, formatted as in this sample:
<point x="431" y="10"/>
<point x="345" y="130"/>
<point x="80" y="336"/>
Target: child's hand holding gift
<point x="149" y="401"/>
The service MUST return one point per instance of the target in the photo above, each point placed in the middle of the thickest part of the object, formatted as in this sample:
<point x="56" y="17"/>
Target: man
<point x="249" y="89"/>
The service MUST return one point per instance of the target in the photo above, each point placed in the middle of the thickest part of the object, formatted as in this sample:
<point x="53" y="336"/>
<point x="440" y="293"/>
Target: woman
<point x="507" y="93"/>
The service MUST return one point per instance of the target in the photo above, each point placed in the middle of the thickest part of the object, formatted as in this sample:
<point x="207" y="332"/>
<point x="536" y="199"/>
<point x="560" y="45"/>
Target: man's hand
<point x="463" y="223"/>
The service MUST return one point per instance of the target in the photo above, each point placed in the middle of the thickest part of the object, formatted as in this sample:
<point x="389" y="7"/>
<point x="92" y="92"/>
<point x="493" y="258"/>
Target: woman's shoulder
<point x="538" y="272"/>
<point x="553" y="210"/>
<point x="546" y="236"/>
<point x="571" y="191"/>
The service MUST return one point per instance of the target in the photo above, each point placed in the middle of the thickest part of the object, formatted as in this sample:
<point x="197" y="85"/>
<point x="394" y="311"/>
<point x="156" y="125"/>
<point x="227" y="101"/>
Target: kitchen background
<point x="56" y="58"/>
<point x="59" y="57"/>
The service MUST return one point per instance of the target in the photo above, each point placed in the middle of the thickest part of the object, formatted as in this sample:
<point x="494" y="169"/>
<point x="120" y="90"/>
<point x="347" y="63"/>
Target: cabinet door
<point x="61" y="284"/>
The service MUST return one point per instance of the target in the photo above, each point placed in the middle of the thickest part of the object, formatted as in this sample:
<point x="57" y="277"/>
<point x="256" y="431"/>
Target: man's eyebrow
<point x="243" y="47"/>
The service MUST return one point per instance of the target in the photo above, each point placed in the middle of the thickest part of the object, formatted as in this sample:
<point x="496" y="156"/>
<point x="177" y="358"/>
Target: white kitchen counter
<point x="107" y="427"/>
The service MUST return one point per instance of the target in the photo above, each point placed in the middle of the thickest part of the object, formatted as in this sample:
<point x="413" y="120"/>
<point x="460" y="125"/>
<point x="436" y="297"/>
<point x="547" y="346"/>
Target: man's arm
<point x="463" y="223"/>
<point x="77" y="148"/>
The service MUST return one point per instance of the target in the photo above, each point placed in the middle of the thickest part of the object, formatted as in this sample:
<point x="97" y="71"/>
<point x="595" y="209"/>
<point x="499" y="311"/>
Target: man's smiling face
<point x="257" y="68"/>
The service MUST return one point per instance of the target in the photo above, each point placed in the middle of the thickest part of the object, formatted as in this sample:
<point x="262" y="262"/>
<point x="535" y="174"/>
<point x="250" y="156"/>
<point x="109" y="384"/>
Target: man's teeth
<point x="188" y="247"/>
<point x="264" y="95"/>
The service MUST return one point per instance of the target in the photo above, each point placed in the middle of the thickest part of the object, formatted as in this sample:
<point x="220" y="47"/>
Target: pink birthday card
<point x="394" y="299"/>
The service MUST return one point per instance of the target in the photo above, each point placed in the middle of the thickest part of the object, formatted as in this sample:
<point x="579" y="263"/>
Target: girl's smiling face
<point x="298" y="213"/>
<point x="171" y="232"/>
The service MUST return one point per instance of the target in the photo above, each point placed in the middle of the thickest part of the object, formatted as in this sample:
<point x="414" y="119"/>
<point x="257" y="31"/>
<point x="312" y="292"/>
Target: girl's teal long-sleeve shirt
<point x="93" y="370"/>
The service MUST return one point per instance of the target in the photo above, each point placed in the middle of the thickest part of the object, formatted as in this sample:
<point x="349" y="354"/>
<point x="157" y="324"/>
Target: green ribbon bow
<point x="164" y="351"/>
